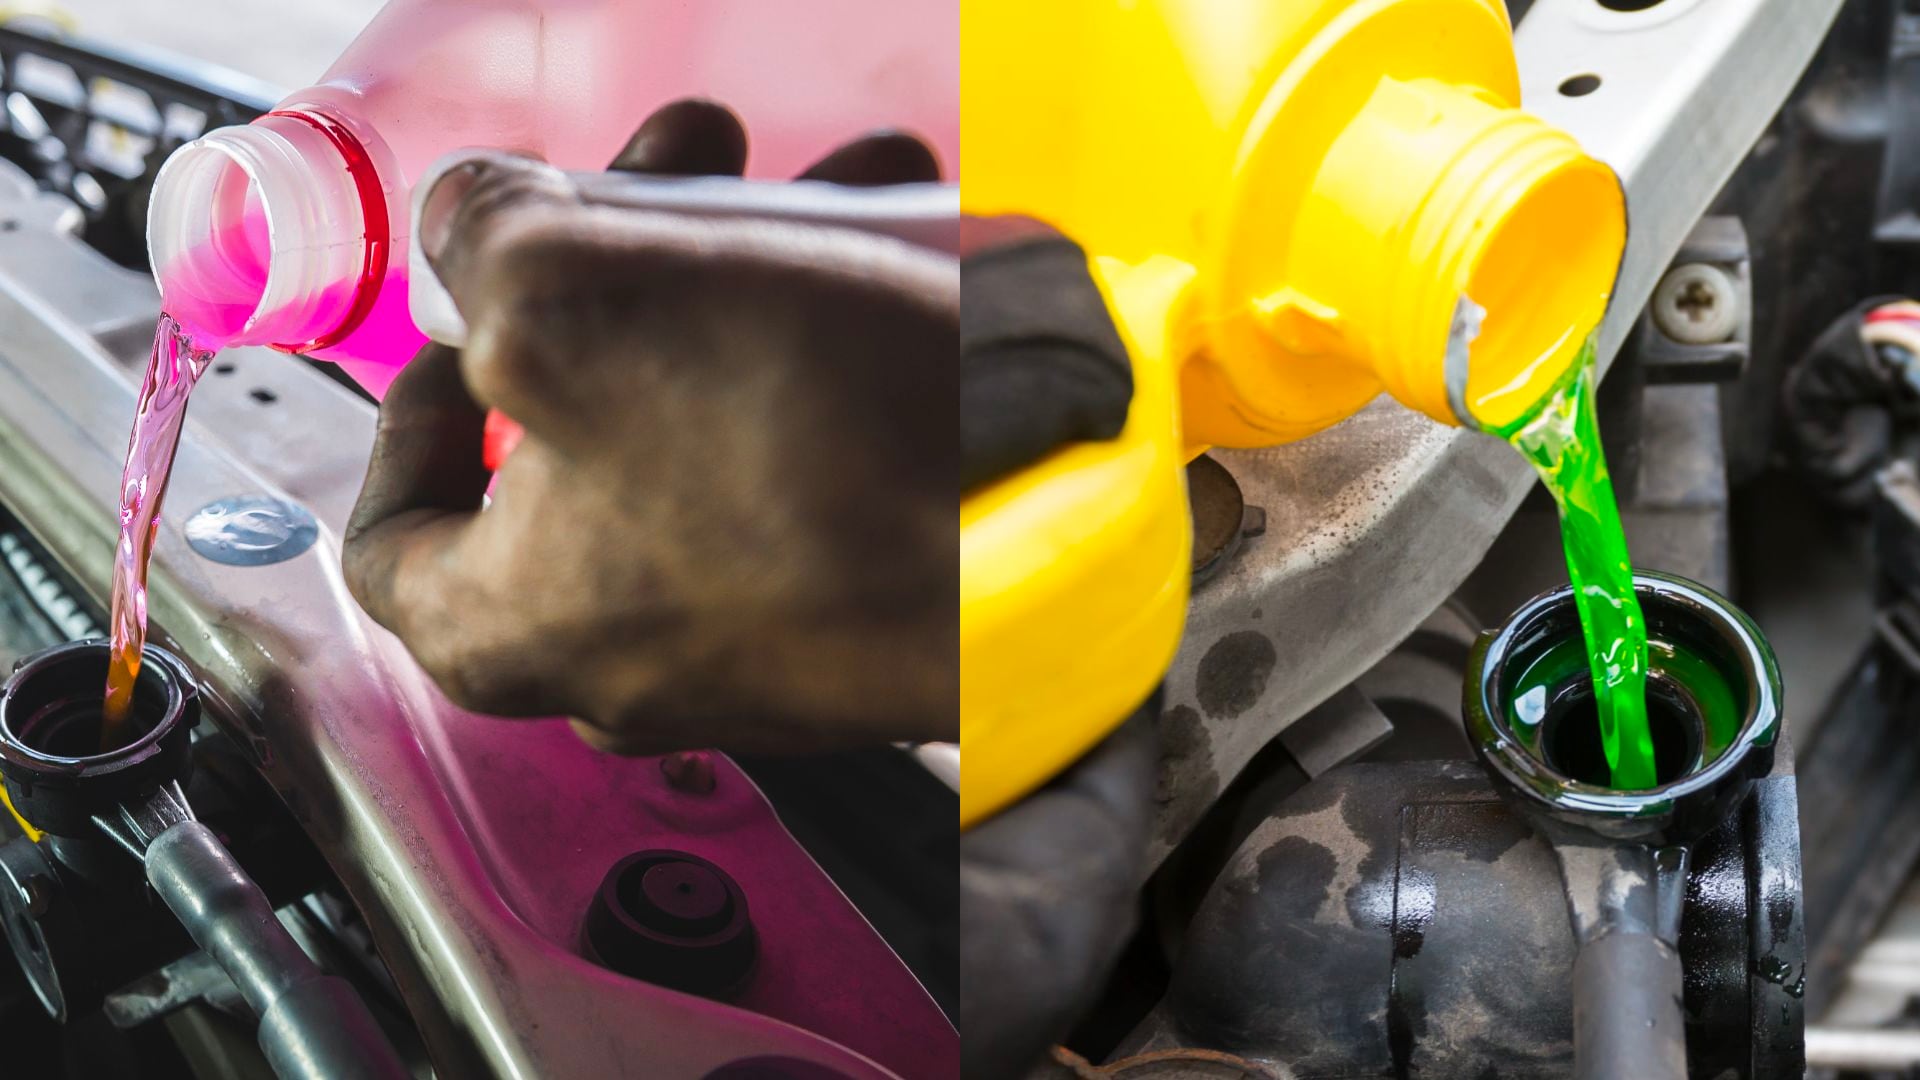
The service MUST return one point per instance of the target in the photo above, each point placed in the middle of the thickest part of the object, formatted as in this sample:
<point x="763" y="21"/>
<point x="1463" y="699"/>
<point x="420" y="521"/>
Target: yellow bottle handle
<point x="1073" y="576"/>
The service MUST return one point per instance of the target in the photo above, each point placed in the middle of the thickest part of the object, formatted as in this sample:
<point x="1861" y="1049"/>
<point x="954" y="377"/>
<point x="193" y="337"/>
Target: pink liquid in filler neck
<point x="175" y="366"/>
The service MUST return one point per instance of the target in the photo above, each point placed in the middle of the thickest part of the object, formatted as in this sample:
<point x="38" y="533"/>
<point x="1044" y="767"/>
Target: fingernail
<point x="442" y="205"/>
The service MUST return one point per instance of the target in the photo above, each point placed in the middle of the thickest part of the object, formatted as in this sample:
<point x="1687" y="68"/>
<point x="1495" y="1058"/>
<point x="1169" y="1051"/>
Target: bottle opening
<point x="1543" y="279"/>
<point x="212" y="249"/>
<point x="257" y="234"/>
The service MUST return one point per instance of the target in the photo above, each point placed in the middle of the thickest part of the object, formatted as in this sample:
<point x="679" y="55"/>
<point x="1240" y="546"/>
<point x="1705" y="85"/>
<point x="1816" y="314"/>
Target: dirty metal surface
<point x="1372" y="524"/>
<point x="472" y="845"/>
<point x="1401" y="920"/>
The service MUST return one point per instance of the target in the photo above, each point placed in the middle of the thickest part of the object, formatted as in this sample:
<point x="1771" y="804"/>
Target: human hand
<point x="730" y="522"/>
<point x="1049" y="894"/>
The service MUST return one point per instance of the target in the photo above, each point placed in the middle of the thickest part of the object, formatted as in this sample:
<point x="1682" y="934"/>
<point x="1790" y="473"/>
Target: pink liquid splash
<point x="175" y="366"/>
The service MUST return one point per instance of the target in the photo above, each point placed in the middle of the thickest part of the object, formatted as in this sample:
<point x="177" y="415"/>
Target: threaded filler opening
<point x="1571" y="743"/>
<point x="56" y="709"/>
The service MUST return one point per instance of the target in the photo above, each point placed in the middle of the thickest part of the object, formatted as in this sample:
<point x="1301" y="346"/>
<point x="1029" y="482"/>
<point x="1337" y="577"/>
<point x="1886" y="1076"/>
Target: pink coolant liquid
<point x="175" y="366"/>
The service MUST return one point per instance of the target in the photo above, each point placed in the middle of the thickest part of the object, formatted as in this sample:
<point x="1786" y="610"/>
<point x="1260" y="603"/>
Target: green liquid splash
<point x="1561" y="437"/>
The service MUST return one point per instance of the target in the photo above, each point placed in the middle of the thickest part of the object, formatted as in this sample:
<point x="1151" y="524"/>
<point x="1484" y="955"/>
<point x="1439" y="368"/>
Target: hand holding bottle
<point x="730" y="522"/>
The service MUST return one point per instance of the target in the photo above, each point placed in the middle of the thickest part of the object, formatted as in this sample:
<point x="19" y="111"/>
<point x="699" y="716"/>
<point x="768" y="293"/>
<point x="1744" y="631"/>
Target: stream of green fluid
<point x="1561" y="437"/>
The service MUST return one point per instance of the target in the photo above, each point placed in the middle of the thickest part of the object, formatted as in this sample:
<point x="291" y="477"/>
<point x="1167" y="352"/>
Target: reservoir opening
<point x="1571" y="740"/>
<point x="59" y="713"/>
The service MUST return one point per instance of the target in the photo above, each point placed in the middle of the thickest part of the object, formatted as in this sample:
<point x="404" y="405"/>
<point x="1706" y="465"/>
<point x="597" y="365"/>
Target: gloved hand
<point x="730" y="521"/>
<point x="1041" y="364"/>
<point x="1049" y="887"/>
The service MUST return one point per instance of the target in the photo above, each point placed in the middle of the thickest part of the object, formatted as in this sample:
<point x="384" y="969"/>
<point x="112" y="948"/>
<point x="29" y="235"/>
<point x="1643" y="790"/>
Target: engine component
<point x="1856" y="768"/>
<point x="1221" y="517"/>
<point x="74" y="910"/>
<point x="1448" y="873"/>
<point x="674" y="919"/>
<point x="57" y="777"/>
<point x="1697" y="304"/>
<point x="1848" y="406"/>
<point x="89" y="802"/>
<point x="312" y="1026"/>
<point x="1698" y="327"/>
<point x="1421" y="865"/>
<point x="1713" y="701"/>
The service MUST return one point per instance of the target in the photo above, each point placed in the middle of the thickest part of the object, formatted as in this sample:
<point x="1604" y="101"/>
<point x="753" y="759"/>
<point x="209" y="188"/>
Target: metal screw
<point x="690" y="771"/>
<point x="1697" y="304"/>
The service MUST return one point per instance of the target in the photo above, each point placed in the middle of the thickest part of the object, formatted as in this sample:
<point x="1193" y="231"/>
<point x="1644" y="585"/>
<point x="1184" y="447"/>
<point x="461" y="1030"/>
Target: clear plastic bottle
<point x="292" y="231"/>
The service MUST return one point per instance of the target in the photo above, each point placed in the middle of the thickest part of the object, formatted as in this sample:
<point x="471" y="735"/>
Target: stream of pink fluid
<point x="189" y="333"/>
<point x="176" y="364"/>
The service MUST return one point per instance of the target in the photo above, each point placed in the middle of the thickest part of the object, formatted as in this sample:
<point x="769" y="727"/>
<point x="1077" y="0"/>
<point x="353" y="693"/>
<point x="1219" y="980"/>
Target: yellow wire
<point x="33" y="834"/>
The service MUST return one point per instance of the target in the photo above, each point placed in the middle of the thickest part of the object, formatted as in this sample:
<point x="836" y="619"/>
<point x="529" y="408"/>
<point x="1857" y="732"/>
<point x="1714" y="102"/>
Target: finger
<point x="689" y="137"/>
<point x="1041" y="363"/>
<point x="549" y="287"/>
<point x="423" y="488"/>
<point x="883" y="157"/>
<point x="467" y="209"/>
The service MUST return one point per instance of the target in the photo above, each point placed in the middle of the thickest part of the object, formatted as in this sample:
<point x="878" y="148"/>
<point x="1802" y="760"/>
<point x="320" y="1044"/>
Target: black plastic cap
<point x="674" y="919"/>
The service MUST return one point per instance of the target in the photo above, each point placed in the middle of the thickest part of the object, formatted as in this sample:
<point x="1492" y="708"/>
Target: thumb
<point x="468" y="208"/>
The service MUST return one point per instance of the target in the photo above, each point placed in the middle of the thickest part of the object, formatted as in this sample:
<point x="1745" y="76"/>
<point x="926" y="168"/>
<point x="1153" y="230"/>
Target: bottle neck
<point x="1501" y="264"/>
<point x="272" y="233"/>
<point x="1444" y="246"/>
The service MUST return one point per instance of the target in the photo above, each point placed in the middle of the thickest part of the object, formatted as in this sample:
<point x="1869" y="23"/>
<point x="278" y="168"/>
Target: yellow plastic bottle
<point x="1286" y="203"/>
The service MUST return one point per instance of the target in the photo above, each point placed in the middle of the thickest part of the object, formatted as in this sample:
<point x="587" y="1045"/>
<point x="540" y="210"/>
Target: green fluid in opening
<point x="1693" y="718"/>
<point x="1561" y="438"/>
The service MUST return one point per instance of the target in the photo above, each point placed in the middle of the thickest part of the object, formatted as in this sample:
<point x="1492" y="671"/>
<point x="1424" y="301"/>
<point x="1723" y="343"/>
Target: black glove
<point x="1041" y="364"/>
<point x="1049" y="894"/>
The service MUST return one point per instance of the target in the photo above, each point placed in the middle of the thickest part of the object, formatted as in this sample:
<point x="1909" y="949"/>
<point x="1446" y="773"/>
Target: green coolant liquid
<point x="1692" y="721"/>
<point x="1562" y="440"/>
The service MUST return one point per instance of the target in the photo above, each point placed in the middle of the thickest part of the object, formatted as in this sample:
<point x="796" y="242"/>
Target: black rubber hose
<point x="1627" y="1018"/>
